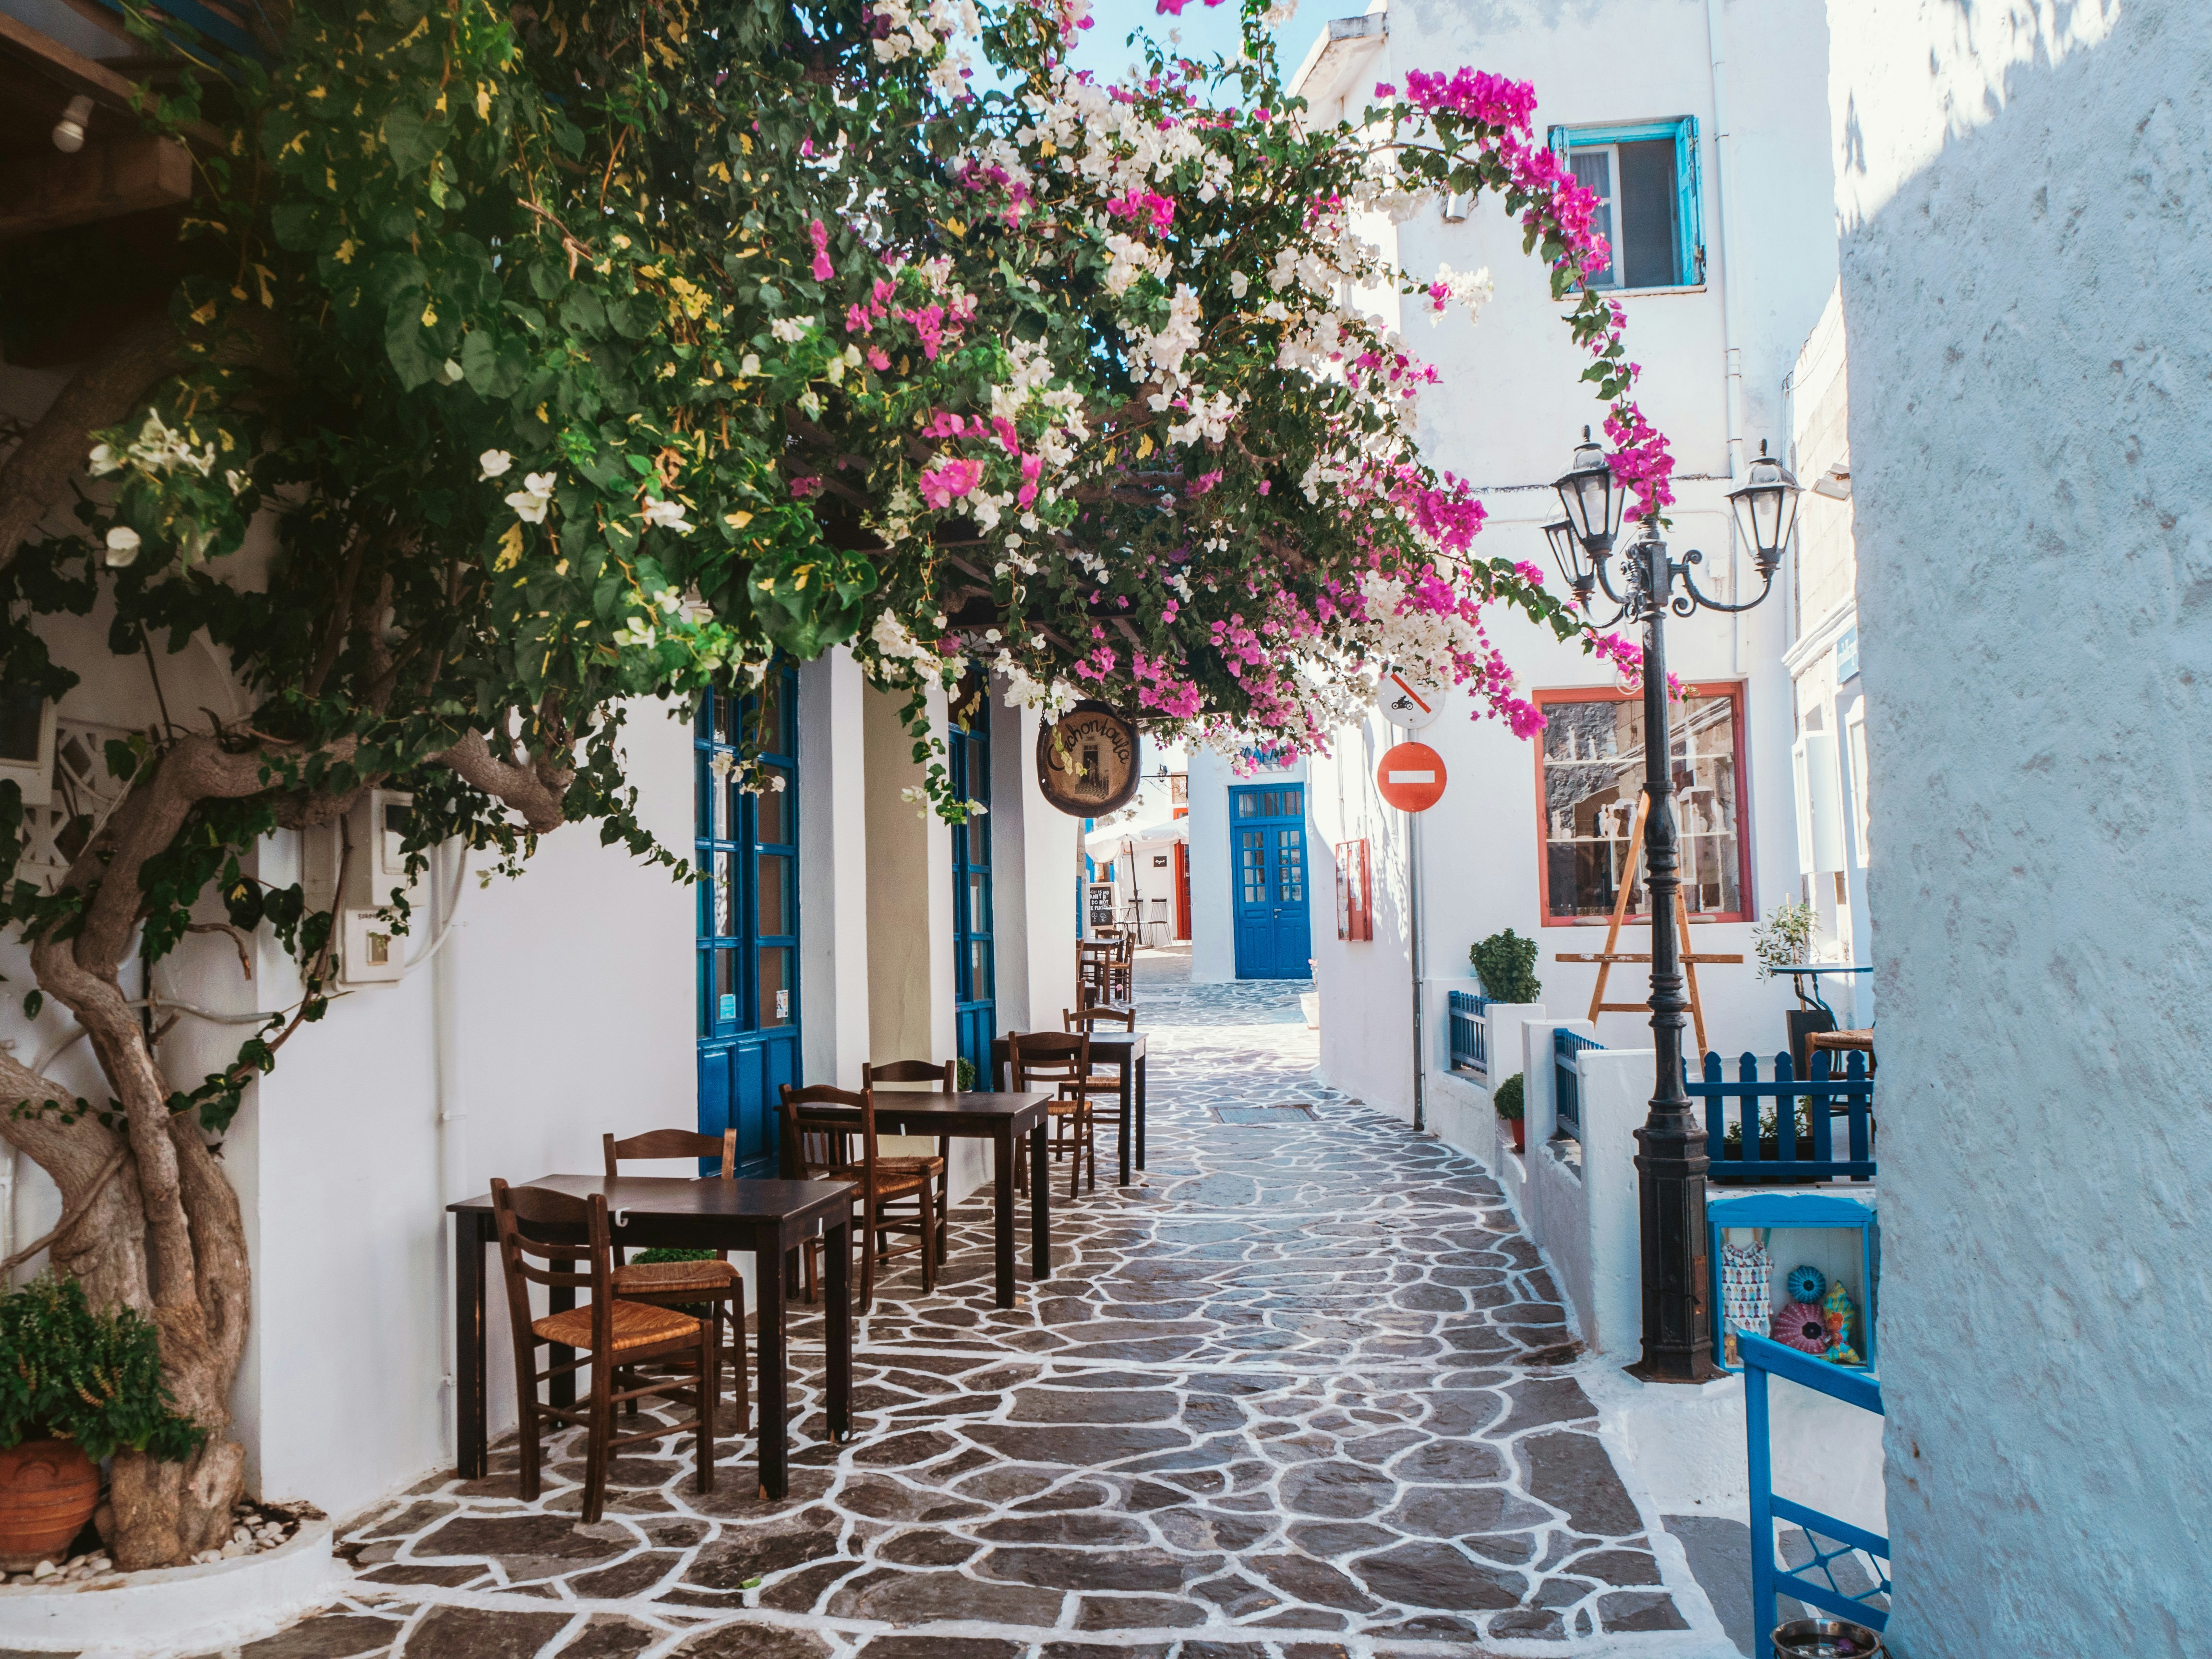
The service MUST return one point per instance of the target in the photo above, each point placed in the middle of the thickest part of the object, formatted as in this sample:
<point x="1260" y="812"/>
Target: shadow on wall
<point x="2026" y="192"/>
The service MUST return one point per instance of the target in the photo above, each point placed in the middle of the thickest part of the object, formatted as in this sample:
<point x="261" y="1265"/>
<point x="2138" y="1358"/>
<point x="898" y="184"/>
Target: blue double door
<point x="975" y="972"/>
<point x="746" y="844"/>
<point x="1267" y="847"/>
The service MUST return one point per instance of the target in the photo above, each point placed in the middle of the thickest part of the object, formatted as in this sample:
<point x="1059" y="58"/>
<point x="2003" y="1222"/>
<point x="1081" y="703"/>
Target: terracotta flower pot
<point x="1520" y="1128"/>
<point x="47" y="1491"/>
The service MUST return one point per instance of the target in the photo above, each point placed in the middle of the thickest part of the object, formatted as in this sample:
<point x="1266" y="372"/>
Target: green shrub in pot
<point x="1505" y="1099"/>
<point x="68" y="1373"/>
<point x="1505" y="964"/>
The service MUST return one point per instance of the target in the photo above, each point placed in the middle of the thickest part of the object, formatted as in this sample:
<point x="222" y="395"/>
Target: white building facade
<point x="1703" y="126"/>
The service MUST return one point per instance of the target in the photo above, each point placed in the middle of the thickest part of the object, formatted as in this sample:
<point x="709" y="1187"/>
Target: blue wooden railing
<point x="1470" y="1032"/>
<point x="1825" y="1096"/>
<point x="1864" y="1557"/>
<point x="1567" y="1080"/>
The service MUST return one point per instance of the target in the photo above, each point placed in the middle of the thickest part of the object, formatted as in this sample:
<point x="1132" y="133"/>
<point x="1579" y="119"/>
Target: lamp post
<point x="1670" y="1158"/>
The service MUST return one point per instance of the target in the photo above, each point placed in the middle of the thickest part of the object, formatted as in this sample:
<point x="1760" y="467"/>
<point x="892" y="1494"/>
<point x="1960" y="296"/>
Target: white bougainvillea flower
<point x="104" y="461"/>
<point x="530" y="501"/>
<point x="494" y="463"/>
<point x="122" y="547"/>
<point x="667" y="515"/>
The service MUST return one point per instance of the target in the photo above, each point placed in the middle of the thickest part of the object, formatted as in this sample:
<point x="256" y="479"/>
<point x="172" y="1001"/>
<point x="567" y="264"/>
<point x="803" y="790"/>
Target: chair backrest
<point x="832" y="1136"/>
<point x="672" y="1143"/>
<point x="569" y="1235"/>
<point x="1057" y="1057"/>
<point x="1089" y="1018"/>
<point x="945" y="1077"/>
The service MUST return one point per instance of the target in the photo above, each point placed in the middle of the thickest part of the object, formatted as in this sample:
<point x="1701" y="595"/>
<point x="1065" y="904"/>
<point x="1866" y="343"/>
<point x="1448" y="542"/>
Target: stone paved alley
<point x="1304" y="1394"/>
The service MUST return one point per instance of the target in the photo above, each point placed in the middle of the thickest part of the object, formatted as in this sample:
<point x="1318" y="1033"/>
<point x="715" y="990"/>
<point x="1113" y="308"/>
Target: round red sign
<point x="1411" y="777"/>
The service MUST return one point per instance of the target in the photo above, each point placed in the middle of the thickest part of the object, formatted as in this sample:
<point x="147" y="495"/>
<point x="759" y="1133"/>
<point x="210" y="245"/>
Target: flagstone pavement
<point x="1301" y="1395"/>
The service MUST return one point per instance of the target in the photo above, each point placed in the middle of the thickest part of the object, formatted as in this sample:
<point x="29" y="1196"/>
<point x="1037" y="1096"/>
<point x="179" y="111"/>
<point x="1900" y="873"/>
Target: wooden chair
<point x="1098" y="1014"/>
<point x="946" y="1079"/>
<point x="1120" y="973"/>
<point x="1094" y="967"/>
<point x="570" y="1235"/>
<point x="875" y="1184"/>
<point x="686" y="1284"/>
<point x="1062" y="1060"/>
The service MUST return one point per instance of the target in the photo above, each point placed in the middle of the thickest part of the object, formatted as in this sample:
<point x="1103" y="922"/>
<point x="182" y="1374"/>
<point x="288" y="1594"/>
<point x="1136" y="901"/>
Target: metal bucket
<point x="1826" y="1639"/>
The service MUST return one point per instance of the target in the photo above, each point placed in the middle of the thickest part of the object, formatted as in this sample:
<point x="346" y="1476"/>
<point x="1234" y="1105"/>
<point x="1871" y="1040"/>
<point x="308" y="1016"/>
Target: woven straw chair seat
<point x="636" y="1325"/>
<point x="910" y="1166"/>
<point x="658" y="1276"/>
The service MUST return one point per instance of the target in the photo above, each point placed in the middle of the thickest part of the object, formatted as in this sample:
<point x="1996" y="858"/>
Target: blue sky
<point x="1207" y="31"/>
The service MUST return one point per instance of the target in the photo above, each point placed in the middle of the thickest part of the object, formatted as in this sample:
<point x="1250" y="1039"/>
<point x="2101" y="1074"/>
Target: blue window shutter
<point x="1690" y="208"/>
<point x="1557" y="138"/>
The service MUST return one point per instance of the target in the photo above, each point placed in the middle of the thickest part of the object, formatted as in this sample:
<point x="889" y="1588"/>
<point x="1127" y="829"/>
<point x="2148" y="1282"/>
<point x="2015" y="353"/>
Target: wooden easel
<point x="1605" y="958"/>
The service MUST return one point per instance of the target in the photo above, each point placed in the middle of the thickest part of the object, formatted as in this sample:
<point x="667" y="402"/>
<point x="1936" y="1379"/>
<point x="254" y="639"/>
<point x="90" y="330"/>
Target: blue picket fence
<point x="1567" y="1080"/>
<point x="1846" y="1572"/>
<point x="1470" y="1032"/>
<point x="1825" y="1097"/>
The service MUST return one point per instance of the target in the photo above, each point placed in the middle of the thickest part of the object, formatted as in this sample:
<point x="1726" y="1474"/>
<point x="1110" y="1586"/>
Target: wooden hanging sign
<point x="1086" y="763"/>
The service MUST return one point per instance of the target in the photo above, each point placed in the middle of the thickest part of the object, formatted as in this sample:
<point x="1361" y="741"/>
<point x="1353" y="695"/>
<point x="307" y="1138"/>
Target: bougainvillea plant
<point x="519" y="364"/>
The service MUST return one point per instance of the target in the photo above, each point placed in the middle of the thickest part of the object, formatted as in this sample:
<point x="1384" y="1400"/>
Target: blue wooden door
<point x="1267" y="847"/>
<point x="747" y="846"/>
<point x="974" y="971"/>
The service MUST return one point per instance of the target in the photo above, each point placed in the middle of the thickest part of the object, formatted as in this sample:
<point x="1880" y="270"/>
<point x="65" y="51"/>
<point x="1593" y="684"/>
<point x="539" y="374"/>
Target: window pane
<point x="1293" y="802"/>
<point x="776" y="913"/>
<point x="1245" y="804"/>
<point x="1646" y="257"/>
<point x="772" y="822"/>
<point x="775" y="986"/>
<point x="719" y="814"/>
<point x="979" y="970"/>
<point x="979" y="901"/>
<point x="1593" y="775"/>
<point x="1252" y="862"/>
<point x="728" y="721"/>
<point x="1291" y="868"/>
<point x="979" y="841"/>
<point x="724" y="912"/>
<point x="726" y="986"/>
<point x="769" y="713"/>
<point x="1593" y="170"/>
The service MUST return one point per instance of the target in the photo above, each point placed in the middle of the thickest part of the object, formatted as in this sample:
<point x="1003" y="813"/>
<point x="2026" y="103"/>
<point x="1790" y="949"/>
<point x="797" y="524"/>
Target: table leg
<point x="560" y="1298"/>
<point x="1040" y="1203"/>
<point x="1002" y="1205"/>
<point x="470" y="1412"/>
<point x="1125" y="1105"/>
<point x="773" y="1391"/>
<point x="1140" y="1111"/>
<point x="837" y="1332"/>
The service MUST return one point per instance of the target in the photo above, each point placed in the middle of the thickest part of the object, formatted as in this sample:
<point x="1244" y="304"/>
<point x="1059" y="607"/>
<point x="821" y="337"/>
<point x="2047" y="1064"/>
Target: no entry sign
<point x="1411" y="777"/>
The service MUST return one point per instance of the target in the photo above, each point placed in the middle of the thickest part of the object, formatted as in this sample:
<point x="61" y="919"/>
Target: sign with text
<point x="1410" y="777"/>
<point x="1087" y="761"/>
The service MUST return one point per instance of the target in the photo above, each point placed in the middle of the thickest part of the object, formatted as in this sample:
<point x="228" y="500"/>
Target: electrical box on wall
<point x="353" y="866"/>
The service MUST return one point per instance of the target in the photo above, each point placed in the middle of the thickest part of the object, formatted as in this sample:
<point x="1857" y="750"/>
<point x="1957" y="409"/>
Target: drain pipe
<point x="452" y="1119"/>
<point x="1723" y="150"/>
<point x="1413" y="910"/>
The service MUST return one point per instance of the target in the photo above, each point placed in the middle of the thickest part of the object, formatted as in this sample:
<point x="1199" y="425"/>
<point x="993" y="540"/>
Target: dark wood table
<point x="999" y="1118"/>
<point x="768" y="1217"/>
<point x="1125" y="1052"/>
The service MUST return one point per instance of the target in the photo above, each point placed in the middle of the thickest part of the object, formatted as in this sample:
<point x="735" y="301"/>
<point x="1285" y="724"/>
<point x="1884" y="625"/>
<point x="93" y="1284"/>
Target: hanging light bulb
<point x="69" y="131"/>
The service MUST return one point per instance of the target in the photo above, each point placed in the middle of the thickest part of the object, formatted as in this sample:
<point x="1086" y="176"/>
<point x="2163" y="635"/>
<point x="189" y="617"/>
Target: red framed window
<point x="1355" y="899"/>
<point x="1590" y="772"/>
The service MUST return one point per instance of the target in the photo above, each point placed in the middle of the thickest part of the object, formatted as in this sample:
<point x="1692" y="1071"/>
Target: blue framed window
<point x="1645" y="176"/>
<point x="975" y="968"/>
<point x="746" y="844"/>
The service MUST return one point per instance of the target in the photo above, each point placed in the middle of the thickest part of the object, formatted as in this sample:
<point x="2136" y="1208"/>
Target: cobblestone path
<point x="1300" y="1396"/>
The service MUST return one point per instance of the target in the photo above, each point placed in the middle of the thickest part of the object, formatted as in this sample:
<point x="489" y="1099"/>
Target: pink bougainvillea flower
<point x="823" y="271"/>
<point x="949" y="480"/>
<point x="878" y="359"/>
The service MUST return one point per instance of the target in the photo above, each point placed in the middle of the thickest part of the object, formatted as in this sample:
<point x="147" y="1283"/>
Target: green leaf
<point x="412" y="140"/>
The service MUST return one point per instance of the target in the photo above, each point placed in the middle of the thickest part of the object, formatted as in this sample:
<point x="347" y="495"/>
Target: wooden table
<point x="767" y="1218"/>
<point x="1125" y="1052"/>
<point x="999" y="1118"/>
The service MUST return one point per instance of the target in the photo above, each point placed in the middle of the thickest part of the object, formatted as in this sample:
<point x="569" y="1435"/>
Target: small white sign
<point x="1410" y="704"/>
<point x="1413" y="777"/>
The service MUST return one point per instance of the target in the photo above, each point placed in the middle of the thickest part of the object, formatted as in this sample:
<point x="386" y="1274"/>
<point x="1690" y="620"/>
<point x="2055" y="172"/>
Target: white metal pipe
<point x="445" y="958"/>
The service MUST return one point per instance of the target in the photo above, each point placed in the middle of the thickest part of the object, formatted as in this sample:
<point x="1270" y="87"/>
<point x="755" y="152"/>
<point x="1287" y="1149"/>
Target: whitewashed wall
<point x="2028" y="223"/>
<point x="1509" y="410"/>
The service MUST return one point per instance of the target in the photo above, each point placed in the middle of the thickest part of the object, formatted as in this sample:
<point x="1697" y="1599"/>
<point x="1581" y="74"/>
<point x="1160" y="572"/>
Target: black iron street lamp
<point x="1671" y="1159"/>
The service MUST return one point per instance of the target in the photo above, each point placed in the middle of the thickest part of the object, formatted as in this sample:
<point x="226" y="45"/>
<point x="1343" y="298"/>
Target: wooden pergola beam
<point x="101" y="181"/>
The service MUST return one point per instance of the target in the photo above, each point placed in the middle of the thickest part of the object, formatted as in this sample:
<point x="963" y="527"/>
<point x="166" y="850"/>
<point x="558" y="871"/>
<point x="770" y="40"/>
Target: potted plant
<point x="1506" y="1099"/>
<point x="1505" y="964"/>
<point x="76" y="1387"/>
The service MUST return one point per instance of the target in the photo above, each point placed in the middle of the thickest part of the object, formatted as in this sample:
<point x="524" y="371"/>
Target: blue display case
<point x="1852" y="1253"/>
